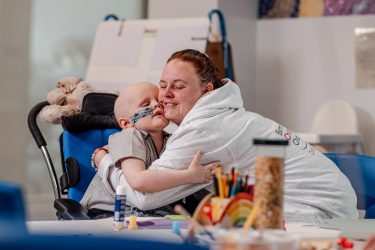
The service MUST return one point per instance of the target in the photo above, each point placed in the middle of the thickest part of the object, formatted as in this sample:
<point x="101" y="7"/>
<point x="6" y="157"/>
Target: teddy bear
<point x="65" y="99"/>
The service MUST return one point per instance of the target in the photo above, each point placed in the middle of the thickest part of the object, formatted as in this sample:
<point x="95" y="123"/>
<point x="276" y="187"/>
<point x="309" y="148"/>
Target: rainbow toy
<point x="231" y="212"/>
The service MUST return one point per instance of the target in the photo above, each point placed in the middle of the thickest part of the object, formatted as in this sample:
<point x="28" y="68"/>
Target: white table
<point x="100" y="227"/>
<point x="103" y="227"/>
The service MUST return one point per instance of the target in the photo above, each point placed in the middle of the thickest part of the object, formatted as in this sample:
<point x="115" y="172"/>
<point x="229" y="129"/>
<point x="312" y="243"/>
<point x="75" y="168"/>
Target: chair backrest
<point x="12" y="211"/>
<point x="335" y="117"/>
<point x="360" y="170"/>
<point x="81" y="146"/>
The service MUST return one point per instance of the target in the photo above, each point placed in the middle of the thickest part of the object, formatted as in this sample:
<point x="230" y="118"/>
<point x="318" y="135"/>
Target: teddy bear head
<point x="65" y="99"/>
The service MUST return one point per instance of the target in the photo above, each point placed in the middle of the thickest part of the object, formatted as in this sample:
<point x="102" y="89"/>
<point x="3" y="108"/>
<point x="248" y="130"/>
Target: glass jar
<point x="269" y="183"/>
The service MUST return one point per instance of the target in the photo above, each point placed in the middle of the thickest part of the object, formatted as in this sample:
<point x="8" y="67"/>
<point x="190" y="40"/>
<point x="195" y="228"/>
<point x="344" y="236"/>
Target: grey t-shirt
<point x="133" y="143"/>
<point x="129" y="142"/>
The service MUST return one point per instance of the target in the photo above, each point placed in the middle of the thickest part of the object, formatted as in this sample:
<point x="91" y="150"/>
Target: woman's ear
<point x="208" y="87"/>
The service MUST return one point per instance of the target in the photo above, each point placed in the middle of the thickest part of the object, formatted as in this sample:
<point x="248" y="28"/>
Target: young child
<point x="139" y="114"/>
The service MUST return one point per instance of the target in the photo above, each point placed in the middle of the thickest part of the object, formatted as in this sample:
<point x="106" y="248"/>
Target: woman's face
<point x="180" y="89"/>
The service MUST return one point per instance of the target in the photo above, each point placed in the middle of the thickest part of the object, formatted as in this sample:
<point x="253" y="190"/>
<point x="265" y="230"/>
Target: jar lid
<point x="270" y="142"/>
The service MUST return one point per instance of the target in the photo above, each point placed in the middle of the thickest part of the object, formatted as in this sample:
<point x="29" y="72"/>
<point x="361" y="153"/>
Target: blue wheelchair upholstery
<point x="81" y="146"/>
<point x="12" y="210"/>
<point x="360" y="170"/>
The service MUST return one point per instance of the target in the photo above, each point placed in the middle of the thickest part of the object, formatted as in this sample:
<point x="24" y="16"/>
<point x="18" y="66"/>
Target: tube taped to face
<point x="141" y="113"/>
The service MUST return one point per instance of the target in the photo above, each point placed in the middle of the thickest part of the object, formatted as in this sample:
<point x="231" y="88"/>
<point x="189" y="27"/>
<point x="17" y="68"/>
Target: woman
<point x="211" y="118"/>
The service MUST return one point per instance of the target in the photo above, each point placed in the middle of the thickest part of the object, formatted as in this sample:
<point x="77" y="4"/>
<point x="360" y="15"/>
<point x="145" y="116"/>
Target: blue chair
<point x="12" y="211"/>
<point x="360" y="170"/>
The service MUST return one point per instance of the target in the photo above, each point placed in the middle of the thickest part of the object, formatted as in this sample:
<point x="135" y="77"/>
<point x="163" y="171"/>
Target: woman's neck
<point x="158" y="139"/>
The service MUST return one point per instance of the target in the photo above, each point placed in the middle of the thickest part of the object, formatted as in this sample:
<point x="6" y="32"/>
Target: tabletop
<point x="160" y="229"/>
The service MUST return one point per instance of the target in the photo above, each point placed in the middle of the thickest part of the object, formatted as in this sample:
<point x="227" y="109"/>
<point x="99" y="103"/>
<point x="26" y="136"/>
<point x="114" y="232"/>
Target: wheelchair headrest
<point x="97" y="113"/>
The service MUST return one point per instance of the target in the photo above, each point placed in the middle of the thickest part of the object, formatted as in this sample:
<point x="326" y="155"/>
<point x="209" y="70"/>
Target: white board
<point x="125" y="52"/>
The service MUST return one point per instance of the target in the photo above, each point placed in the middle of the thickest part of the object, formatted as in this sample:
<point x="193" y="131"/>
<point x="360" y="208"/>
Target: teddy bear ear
<point x="68" y="80"/>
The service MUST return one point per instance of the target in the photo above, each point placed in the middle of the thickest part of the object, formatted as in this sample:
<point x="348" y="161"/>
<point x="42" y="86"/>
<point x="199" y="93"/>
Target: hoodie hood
<point x="216" y="102"/>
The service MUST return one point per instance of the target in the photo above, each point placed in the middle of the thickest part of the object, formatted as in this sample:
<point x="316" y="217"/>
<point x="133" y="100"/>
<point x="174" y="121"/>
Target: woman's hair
<point x="203" y="65"/>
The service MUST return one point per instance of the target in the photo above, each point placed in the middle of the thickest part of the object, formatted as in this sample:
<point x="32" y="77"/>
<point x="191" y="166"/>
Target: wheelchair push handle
<point x="33" y="126"/>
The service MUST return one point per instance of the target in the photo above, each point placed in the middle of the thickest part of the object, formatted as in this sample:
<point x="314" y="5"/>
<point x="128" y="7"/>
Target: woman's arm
<point x="149" y="181"/>
<point x="178" y="154"/>
<point x="146" y="201"/>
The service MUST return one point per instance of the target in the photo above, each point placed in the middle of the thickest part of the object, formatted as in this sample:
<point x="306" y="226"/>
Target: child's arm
<point x="147" y="181"/>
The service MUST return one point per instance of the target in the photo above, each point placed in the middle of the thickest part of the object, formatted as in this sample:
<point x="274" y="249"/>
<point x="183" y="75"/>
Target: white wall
<point x="179" y="8"/>
<point x="303" y="63"/>
<point x="14" y="54"/>
<point x="241" y="20"/>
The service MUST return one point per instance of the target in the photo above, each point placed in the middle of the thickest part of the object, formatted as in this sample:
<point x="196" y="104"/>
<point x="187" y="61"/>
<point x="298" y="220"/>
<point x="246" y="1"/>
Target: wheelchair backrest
<point x="80" y="146"/>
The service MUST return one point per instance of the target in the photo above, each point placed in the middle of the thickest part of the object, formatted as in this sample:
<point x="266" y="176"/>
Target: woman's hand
<point x="370" y="243"/>
<point x="201" y="173"/>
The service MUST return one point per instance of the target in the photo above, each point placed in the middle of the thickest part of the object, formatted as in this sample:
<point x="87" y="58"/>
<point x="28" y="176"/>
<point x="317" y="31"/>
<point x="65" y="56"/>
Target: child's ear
<point x="125" y="123"/>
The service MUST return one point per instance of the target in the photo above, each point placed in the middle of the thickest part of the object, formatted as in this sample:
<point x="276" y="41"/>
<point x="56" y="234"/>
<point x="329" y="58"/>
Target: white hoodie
<point x="219" y="126"/>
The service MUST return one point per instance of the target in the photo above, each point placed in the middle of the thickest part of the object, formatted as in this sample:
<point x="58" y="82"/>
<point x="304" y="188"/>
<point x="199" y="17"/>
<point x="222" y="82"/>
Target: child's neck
<point x="158" y="139"/>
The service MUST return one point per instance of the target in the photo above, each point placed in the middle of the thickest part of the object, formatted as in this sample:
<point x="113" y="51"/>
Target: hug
<point x="213" y="128"/>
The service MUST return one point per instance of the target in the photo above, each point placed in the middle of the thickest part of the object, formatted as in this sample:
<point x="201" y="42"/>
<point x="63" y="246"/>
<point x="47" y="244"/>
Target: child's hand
<point x="99" y="155"/>
<point x="201" y="173"/>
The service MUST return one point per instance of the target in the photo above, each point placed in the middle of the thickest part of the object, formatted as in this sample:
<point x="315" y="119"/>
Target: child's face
<point x="143" y="96"/>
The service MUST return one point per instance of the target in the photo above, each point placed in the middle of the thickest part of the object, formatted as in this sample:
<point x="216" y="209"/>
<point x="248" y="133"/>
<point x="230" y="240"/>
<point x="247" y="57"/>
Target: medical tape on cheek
<point x="141" y="114"/>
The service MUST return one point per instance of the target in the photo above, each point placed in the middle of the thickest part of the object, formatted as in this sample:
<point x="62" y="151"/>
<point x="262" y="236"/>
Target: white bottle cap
<point x="121" y="190"/>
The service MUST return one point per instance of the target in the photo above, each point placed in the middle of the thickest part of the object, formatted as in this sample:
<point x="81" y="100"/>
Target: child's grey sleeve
<point x="127" y="143"/>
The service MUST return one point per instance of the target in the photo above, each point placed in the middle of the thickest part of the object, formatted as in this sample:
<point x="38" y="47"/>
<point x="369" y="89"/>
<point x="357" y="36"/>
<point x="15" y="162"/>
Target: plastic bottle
<point x="119" y="222"/>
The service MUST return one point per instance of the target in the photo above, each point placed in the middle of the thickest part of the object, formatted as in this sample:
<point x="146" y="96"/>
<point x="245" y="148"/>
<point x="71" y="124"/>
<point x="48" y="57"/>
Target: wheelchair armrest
<point x="68" y="209"/>
<point x="70" y="176"/>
